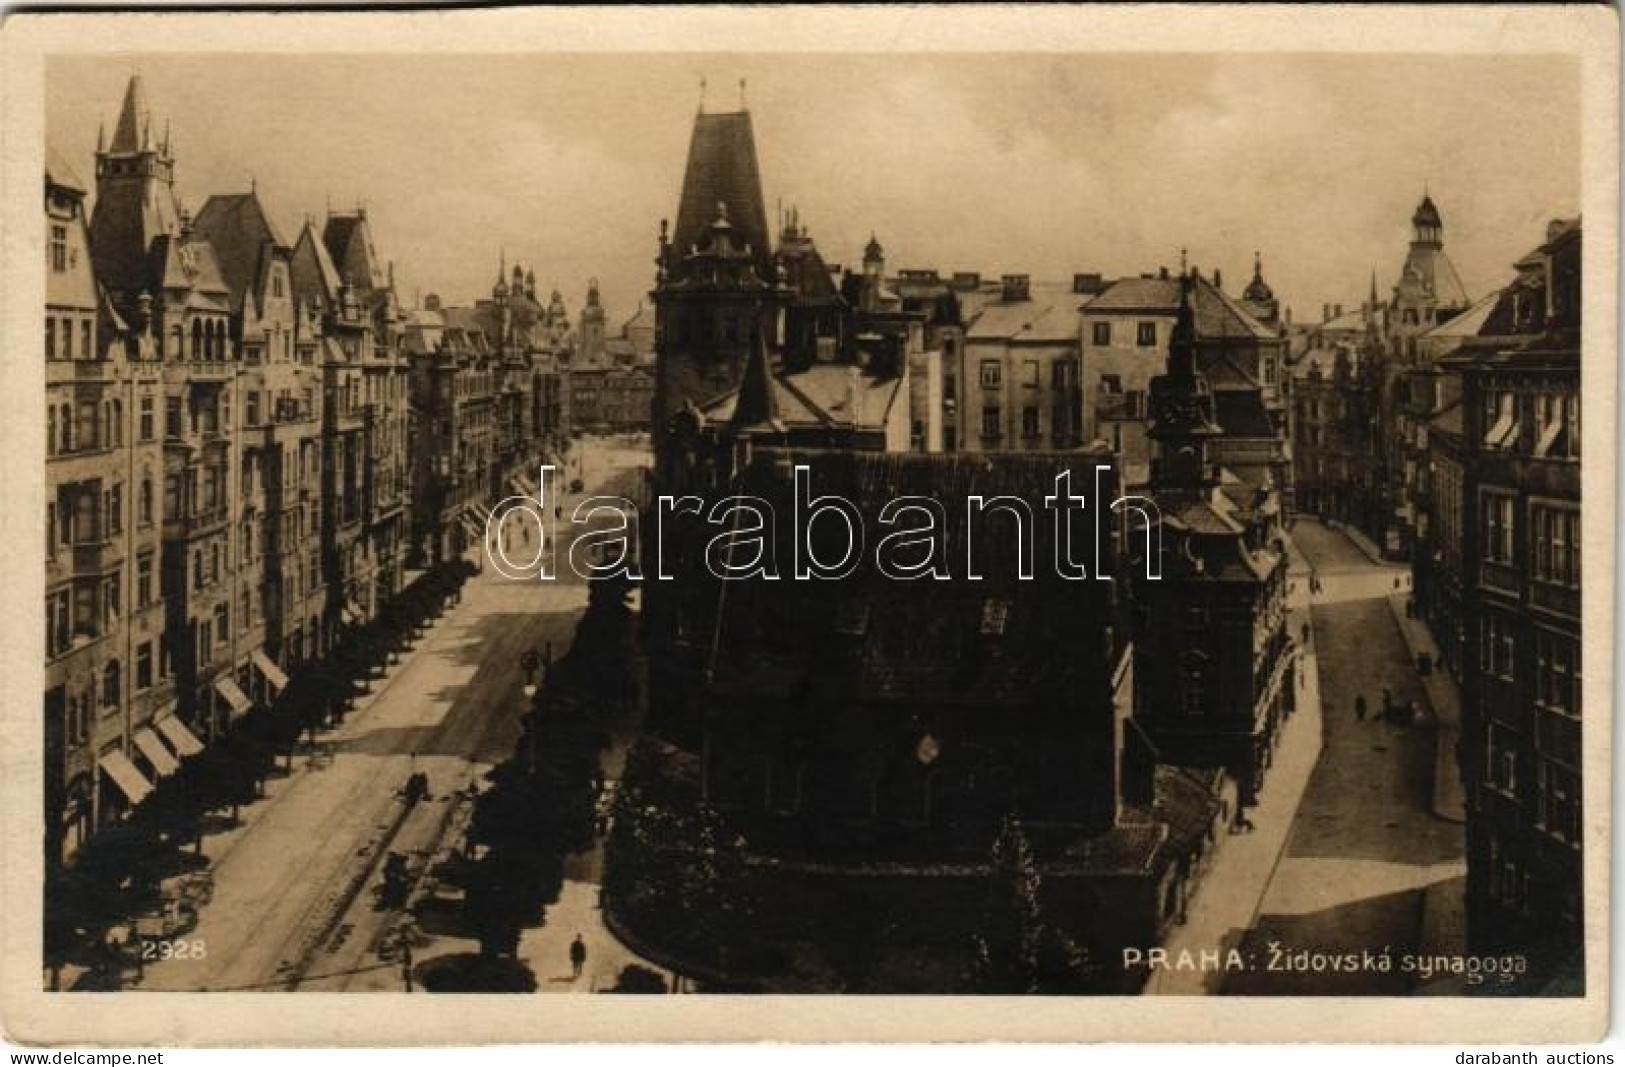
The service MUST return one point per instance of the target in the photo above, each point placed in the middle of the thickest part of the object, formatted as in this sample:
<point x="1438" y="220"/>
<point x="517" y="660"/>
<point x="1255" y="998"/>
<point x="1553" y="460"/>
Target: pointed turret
<point x="756" y="408"/>
<point x="132" y="119"/>
<point x="722" y="168"/>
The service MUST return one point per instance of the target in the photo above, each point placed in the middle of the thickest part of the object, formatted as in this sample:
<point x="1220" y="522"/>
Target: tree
<point x="1017" y="950"/>
<point x="636" y="978"/>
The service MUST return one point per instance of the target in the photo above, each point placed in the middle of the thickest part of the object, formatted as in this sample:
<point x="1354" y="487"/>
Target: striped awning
<point x="227" y="687"/>
<point x="131" y="782"/>
<point x="185" y="742"/>
<point x="267" y="666"/>
<point x="162" y="760"/>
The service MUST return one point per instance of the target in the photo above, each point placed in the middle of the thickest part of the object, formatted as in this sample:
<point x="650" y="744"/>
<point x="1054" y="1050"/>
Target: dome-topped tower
<point x="1426" y="225"/>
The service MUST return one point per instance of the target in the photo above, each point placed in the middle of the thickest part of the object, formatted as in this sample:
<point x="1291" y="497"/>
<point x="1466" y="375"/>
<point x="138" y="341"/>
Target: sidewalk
<point x="1445" y="700"/>
<point x="1230" y="893"/>
<point x="1364" y="544"/>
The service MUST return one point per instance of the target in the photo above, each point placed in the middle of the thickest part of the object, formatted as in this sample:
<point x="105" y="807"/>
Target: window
<point x="1503" y="430"/>
<point x="1496" y="527"/>
<point x="197" y="569"/>
<point x="115" y="509"/>
<point x="1111" y="383"/>
<point x="1496" y="645"/>
<point x="147" y="422"/>
<point x="172" y="416"/>
<point x="992" y="422"/>
<point x="1553" y="426"/>
<point x="112" y="599"/>
<point x="146" y="499"/>
<point x="111" y="685"/>
<point x="992" y="374"/>
<point x="222" y="622"/>
<point x="251" y="408"/>
<point x="1501" y="755"/>
<point x="1103" y="333"/>
<point x="1030" y="374"/>
<point x="59" y="248"/>
<point x="1554" y="536"/>
<point x="1269" y="370"/>
<point x="50" y="338"/>
<point x="1557" y="673"/>
<point x="1557" y="794"/>
<point x="1029" y="422"/>
<point x="143" y="666"/>
<point x="143" y="581"/>
<point x="1145" y="335"/>
<point x="85" y="343"/>
<point x="1134" y="404"/>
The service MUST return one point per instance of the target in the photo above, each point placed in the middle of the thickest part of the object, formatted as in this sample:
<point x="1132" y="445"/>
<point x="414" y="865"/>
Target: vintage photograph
<point x="1052" y="524"/>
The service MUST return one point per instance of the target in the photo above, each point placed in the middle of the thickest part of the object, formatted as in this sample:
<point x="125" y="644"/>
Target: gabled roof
<point x="1218" y="315"/>
<point x="314" y="276"/>
<point x="238" y="229"/>
<point x="59" y="173"/>
<point x="823" y="395"/>
<point x="349" y="242"/>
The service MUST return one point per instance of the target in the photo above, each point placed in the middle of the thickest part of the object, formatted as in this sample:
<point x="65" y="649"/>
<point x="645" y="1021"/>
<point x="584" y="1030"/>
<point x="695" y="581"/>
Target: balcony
<point x="209" y="370"/>
<point x="180" y="527"/>
<point x="92" y="556"/>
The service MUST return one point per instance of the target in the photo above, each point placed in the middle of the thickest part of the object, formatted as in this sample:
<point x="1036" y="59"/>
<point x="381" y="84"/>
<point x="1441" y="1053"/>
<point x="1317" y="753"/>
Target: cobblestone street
<point x="1368" y="865"/>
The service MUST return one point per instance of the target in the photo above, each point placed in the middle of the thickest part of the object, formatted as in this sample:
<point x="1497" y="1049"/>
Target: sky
<point x="1045" y="164"/>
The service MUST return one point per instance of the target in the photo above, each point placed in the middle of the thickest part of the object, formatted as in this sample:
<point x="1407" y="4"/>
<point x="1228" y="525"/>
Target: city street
<point x="293" y="908"/>
<point x="1368" y="866"/>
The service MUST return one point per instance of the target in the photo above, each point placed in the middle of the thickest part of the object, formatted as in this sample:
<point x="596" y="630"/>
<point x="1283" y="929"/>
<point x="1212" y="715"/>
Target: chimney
<point x="1337" y="312"/>
<point x="1162" y="273"/>
<point x="1088" y="283"/>
<point x="431" y="302"/>
<point x="966" y="281"/>
<point x="1218" y="279"/>
<point x="1016" y="287"/>
<point x="1325" y="313"/>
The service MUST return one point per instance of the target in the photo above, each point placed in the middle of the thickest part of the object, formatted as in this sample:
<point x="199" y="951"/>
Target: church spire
<point x="132" y="119"/>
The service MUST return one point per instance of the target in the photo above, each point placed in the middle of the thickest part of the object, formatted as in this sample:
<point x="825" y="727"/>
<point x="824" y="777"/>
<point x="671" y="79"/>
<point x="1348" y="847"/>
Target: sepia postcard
<point x="935" y="524"/>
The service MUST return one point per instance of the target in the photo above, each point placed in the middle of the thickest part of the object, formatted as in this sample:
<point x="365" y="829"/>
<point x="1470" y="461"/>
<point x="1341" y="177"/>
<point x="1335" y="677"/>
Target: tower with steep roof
<point x="135" y="200"/>
<point x="717" y="285"/>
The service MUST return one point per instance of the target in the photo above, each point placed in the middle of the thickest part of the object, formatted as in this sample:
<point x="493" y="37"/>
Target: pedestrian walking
<point x="578" y="957"/>
<point x="1359" y="707"/>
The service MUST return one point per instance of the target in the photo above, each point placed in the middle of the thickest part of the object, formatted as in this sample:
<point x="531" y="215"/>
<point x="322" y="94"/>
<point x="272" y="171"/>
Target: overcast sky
<point x="1049" y="165"/>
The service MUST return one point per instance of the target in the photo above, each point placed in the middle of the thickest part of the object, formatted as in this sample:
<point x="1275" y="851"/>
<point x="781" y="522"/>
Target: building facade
<point x="1520" y="588"/>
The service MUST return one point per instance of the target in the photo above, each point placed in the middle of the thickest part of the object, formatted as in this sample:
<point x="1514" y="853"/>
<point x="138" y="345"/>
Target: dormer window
<point x="995" y="615"/>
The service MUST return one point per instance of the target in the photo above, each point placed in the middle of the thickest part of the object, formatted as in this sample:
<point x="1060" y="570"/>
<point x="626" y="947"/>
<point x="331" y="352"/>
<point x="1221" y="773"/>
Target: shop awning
<point x="226" y="686"/>
<point x="185" y="742"/>
<point x="131" y="783"/>
<point x="268" y="667"/>
<point x="472" y="528"/>
<point x="517" y="486"/>
<point x="160" y="757"/>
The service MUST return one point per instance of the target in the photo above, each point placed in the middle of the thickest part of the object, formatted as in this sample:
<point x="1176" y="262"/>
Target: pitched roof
<point x="59" y="173"/>
<point x="349" y="242"/>
<point x="722" y="169"/>
<point x="1218" y="315"/>
<point x="134" y="119"/>
<point x="822" y="395"/>
<point x="238" y="229"/>
<point x="1241" y="413"/>
<point x="1050" y="314"/>
<point x="314" y="276"/>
